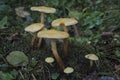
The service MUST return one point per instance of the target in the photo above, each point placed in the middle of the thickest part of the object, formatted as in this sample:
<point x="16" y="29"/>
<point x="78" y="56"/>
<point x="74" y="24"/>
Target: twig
<point x="21" y="74"/>
<point x="33" y="76"/>
<point x="3" y="59"/>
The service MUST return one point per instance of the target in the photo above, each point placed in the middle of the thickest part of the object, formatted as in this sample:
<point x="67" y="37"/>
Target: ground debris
<point x="94" y="76"/>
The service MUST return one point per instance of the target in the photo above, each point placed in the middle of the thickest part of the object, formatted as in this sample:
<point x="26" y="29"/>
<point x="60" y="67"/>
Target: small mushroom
<point x="64" y="22"/>
<point x="89" y="42"/>
<point x="49" y="60"/>
<point x="68" y="70"/>
<point x="53" y="35"/>
<point x="91" y="57"/>
<point x="43" y="10"/>
<point x="34" y="28"/>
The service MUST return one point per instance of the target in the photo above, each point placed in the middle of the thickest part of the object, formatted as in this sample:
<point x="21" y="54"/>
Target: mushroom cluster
<point x="54" y="35"/>
<point x="39" y="31"/>
<point x="36" y="27"/>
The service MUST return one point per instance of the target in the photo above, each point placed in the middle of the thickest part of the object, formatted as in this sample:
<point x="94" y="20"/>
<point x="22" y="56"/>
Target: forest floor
<point x="16" y="39"/>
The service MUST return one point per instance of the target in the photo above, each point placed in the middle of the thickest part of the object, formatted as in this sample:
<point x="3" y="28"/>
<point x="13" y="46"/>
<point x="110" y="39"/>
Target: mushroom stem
<point x="42" y="17"/>
<point x="39" y="43"/>
<point x="65" y="47"/>
<point x="33" y="39"/>
<point x="51" y="65"/>
<point x="64" y="27"/>
<point x="40" y="39"/>
<point x="55" y="53"/>
<point x="76" y="30"/>
<point x="65" y="40"/>
<point x="91" y="63"/>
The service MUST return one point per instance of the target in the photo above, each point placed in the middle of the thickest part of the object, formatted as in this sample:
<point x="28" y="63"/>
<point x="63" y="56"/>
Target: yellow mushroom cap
<point x="43" y="9"/>
<point x="53" y="34"/>
<point x="49" y="60"/>
<point x="68" y="70"/>
<point x="91" y="57"/>
<point x="34" y="27"/>
<point x="65" y="21"/>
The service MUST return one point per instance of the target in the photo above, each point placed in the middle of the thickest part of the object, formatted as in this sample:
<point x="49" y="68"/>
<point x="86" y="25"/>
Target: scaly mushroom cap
<point x="65" y="21"/>
<point x="53" y="34"/>
<point x="91" y="57"/>
<point x="34" y="27"/>
<point x="49" y="60"/>
<point x="68" y="70"/>
<point x="43" y="9"/>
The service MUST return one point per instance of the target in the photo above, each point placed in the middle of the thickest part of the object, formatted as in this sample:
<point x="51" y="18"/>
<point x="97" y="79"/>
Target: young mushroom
<point x="53" y="35"/>
<point x="34" y="28"/>
<point x="91" y="57"/>
<point x="49" y="60"/>
<point x="64" y="22"/>
<point x="68" y="70"/>
<point x="43" y="10"/>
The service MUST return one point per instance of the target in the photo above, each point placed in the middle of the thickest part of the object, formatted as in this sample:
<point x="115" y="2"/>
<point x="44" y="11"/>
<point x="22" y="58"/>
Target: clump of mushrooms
<point x="53" y="35"/>
<point x="91" y="57"/>
<point x="43" y="10"/>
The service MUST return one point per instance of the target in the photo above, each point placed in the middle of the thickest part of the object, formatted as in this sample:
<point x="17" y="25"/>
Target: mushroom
<point x="43" y="10"/>
<point x="34" y="28"/>
<point x="91" y="57"/>
<point x="53" y="35"/>
<point x="65" y="22"/>
<point x="68" y="70"/>
<point x="49" y="60"/>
